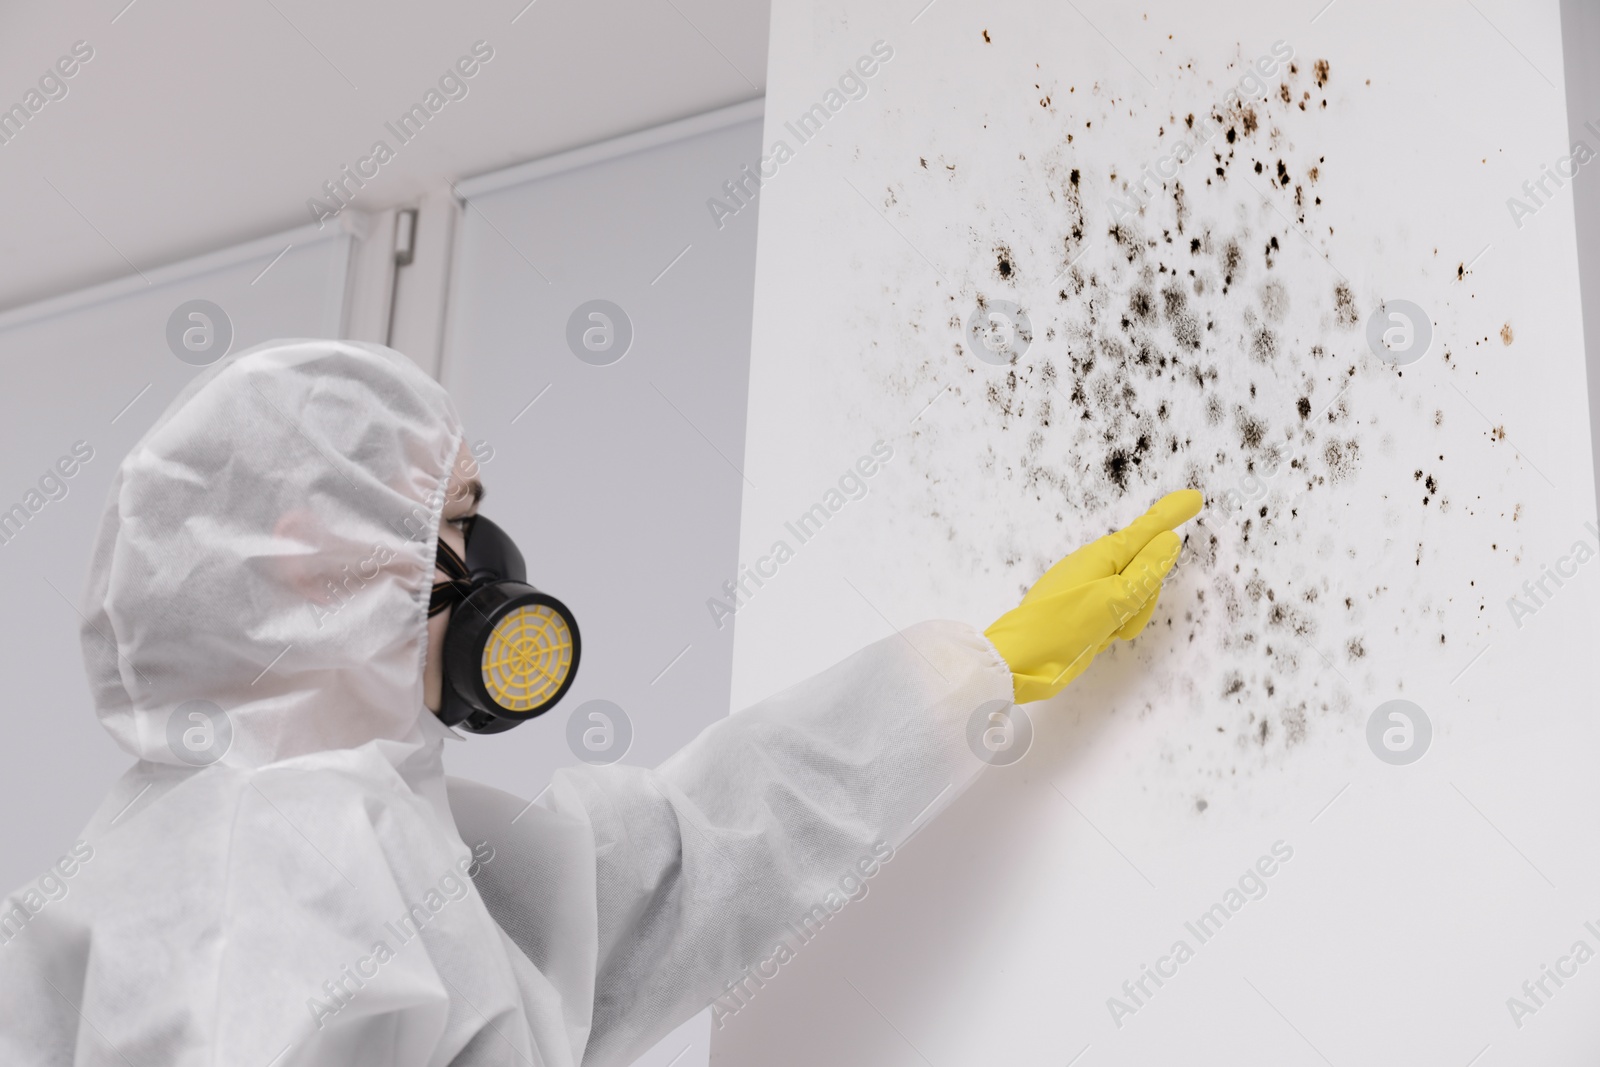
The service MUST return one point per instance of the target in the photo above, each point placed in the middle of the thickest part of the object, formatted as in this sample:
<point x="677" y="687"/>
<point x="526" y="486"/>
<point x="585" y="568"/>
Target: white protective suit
<point x="268" y="547"/>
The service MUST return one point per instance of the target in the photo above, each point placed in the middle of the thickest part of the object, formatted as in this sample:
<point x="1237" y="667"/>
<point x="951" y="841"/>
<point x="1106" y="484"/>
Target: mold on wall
<point x="1195" y="330"/>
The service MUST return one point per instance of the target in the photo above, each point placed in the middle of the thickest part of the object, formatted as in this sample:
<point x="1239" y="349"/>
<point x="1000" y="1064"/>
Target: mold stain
<point x="1201" y="339"/>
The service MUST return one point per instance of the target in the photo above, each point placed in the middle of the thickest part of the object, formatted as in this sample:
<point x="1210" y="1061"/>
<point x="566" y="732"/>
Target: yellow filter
<point x="527" y="657"/>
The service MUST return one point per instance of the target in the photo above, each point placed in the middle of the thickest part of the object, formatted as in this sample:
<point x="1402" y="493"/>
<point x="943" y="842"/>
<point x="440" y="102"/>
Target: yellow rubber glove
<point x="1103" y="591"/>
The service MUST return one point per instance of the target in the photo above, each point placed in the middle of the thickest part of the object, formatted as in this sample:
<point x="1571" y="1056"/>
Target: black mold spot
<point x="1252" y="431"/>
<point x="1344" y="306"/>
<point x="1117" y="466"/>
<point x="1264" y="345"/>
<point x="1232" y="261"/>
<point x="1142" y="305"/>
<point x="1342" y="458"/>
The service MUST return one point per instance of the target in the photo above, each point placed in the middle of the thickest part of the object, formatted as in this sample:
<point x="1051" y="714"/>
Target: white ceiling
<point x="196" y="125"/>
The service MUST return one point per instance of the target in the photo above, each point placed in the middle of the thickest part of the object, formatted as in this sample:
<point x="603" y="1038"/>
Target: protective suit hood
<point x="268" y="548"/>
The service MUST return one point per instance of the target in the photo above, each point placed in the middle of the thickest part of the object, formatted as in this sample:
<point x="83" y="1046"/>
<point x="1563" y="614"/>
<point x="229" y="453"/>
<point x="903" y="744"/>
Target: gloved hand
<point x="1103" y="591"/>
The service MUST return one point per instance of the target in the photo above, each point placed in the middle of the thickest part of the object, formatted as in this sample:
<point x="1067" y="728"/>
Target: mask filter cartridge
<point x="510" y="651"/>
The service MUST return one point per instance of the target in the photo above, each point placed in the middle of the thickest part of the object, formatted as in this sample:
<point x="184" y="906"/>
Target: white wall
<point x="1418" y="898"/>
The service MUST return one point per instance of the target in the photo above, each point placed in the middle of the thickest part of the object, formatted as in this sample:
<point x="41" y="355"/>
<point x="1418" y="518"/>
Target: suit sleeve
<point x="768" y="822"/>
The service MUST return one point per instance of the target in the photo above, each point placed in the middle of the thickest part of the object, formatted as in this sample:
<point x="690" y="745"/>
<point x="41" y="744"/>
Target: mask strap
<point x="451" y="562"/>
<point x="455" y="589"/>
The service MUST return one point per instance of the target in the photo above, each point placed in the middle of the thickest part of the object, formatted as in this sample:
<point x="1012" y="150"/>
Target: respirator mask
<point x="510" y="651"/>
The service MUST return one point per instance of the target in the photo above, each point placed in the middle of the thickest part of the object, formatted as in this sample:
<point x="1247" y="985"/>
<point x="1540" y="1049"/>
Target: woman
<point x="286" y="876"/>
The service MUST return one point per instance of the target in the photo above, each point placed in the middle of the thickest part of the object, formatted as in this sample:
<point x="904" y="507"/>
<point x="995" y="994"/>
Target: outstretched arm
<point x="768" y="821"/>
